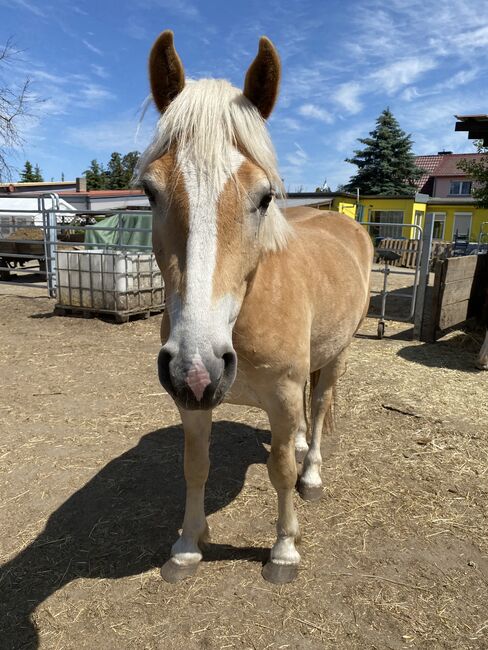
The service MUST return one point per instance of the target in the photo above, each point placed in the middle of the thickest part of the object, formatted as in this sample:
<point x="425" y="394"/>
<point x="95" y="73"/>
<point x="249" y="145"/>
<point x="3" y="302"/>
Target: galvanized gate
<point x="419" y="274"/>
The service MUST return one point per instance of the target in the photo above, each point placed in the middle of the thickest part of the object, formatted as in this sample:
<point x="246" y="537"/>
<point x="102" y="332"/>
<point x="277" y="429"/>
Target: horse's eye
<point x="149" y="193"/>
<point x="265" y="201"/>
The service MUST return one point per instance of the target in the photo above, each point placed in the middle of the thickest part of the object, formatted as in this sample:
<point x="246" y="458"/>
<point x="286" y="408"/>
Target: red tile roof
<point x="448" y="166"/>
<point x="429" y="163"/>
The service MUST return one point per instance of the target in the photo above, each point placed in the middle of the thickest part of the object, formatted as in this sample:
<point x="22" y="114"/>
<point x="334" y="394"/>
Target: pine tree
<point x="38" y="175"/>
<point x="27" y="174"/>
<point x="477" y="170"/>
<point x="115" y="172"/>
<point x="95" y="176"/>
<point x="386" y="165"/>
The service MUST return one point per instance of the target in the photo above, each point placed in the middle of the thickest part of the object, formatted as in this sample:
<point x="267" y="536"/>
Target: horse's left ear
<point x="166" y="72"/>
<point x="263" y="78"/>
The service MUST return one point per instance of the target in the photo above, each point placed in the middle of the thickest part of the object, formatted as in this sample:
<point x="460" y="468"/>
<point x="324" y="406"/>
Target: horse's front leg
<point x="186" y="553"/>
<point x="285" y="417"/>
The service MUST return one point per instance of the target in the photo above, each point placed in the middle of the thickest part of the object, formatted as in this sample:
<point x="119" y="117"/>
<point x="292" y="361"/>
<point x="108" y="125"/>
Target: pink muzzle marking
<point x="198" y="378"/>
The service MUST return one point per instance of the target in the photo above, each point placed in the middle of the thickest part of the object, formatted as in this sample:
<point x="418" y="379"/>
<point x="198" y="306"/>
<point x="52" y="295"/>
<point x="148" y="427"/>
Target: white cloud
<point x="99" y="70"/>
<point x="91" y="47"/>
<point x="24" y="4"/>
<point x="289" y="123"/>
<point x="316" y="112"/>
<point x="401" y="73"/>
<point x="347" y="95"/>
<point x="111" y="135"/>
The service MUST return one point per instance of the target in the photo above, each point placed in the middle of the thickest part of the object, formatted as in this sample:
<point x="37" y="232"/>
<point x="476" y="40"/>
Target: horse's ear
<point x="263" y="78"/>
<point x="166" y="73"/>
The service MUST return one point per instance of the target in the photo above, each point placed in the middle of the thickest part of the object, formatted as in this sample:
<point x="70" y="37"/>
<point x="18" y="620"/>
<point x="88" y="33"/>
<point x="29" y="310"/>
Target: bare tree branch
<point x="14" y="106"/>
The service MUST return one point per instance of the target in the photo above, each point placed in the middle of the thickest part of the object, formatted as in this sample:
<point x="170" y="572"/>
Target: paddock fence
<point x="459" y="294"/>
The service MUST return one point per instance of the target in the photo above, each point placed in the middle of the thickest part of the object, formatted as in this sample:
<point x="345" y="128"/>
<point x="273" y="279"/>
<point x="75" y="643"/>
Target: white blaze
<point x="196" y="319"/>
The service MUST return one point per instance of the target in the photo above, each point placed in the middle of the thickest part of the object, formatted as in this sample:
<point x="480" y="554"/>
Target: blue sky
<point x="343" y="63"/>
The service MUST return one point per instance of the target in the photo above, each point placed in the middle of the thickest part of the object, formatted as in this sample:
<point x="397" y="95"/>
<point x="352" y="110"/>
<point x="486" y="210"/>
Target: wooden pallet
<point x="116" y="316"/>
<point x="408" y="249"/>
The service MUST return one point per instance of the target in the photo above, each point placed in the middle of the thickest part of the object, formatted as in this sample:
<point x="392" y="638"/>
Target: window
<point x="388" y="217"/>
<point x="460" y="188"/>
<point x="462" y="225"/>
<point x="439" y="224"/>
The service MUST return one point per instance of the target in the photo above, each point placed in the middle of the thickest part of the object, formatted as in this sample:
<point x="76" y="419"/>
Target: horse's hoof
<point x="279" y="574"/>
<point x="310" y="492"/>
<point x="300" y="454"/>
<point x="173" y="572"/>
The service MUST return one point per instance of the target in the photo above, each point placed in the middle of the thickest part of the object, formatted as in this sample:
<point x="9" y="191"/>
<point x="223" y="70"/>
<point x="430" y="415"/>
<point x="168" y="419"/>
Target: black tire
<point x="4" y="271"/>
<point x="381" y="330"/>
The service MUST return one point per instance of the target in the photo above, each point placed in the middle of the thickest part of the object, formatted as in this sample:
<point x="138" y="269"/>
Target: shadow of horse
<point x="124" y="521"/>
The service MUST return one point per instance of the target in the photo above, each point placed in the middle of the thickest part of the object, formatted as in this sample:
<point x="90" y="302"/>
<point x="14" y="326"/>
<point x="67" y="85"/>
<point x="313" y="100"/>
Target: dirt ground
<point x="395" y="555"/>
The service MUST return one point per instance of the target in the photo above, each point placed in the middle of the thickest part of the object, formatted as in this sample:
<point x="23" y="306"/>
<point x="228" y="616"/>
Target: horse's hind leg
<point x="310" y="486"/>
<point x="301" y="444"/>
<point x="284" y="415"/>
<point x="186" y="553"/>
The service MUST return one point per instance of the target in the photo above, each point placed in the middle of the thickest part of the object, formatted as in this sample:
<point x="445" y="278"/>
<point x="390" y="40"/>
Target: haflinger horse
<point x="257" y="301"/>
<point x="482" y="361"/>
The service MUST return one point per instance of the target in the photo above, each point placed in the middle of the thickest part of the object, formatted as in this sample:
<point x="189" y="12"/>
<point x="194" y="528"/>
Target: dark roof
<point x="475" y="125"/>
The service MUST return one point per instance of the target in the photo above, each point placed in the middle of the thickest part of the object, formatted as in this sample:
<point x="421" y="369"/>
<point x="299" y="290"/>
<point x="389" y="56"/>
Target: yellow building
<point x="452" y="216"/>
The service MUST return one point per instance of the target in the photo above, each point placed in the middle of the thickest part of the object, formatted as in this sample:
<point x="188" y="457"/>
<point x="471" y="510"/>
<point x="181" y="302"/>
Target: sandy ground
<point x="395" y="555"/>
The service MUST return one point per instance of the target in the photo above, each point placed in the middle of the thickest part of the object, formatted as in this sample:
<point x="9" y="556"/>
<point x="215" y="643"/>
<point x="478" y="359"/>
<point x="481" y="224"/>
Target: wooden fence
<point x="409" y="249"/>
<point x="460" y="293"/>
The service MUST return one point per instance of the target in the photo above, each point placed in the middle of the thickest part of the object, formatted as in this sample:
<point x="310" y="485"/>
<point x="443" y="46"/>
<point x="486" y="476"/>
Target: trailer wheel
<point x="381" y="330"/>
<point x="4" y="271"/>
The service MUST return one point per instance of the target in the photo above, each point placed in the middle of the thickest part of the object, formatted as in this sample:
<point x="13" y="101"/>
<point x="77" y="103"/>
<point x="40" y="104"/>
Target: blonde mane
<point x="208" y="120"/>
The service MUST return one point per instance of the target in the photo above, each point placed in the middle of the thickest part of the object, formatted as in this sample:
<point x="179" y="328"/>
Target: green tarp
<point x="121" y="235"/>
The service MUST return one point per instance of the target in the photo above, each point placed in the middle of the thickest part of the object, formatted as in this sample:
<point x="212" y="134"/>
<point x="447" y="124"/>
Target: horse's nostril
<point x="164" y="359"/>
<point x="230" y="364"/>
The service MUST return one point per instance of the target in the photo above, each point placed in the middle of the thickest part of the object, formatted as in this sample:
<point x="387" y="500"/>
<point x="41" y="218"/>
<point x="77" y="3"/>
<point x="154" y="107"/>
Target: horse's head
<point x="211" y="177"/>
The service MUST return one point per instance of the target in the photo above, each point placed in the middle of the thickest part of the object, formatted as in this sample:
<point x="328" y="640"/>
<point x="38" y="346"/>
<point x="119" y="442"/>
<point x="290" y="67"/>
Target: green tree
<point x="386" y="165"/>
<point x="95" y="176"/>
<point x="477" y="170"/>
<point x="129" y="162"/>
<point x="27" y="175"/>
<point x="38" y="174"/>
<point x="116" y="176"/>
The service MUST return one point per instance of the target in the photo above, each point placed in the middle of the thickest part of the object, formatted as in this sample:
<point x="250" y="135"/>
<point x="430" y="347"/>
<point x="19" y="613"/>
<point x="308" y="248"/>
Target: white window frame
<point x="460" y="193"/>
<point x="441" y="218"/>
<point x="462" y="214"/>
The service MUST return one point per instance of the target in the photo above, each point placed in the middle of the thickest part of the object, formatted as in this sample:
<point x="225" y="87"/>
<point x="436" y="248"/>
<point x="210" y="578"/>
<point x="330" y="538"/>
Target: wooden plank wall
<point x="409" y="248"/>
<point x="459" y="293"/>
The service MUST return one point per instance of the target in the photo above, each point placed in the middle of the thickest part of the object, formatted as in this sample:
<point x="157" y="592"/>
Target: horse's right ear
<point x="166" y="73"/>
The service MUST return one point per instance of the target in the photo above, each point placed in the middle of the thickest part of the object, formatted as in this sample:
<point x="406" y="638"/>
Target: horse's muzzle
<point x="197" y="383"/>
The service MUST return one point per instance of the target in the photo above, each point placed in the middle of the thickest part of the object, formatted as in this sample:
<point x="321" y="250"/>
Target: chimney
<point x="81" y="184"/>
<point x="444" y="153"/>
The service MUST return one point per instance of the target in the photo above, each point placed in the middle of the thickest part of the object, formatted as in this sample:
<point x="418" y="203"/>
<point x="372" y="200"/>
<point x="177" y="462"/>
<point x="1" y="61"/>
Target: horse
<point x="260" y="303"/>
<point x="482" y="360"/>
